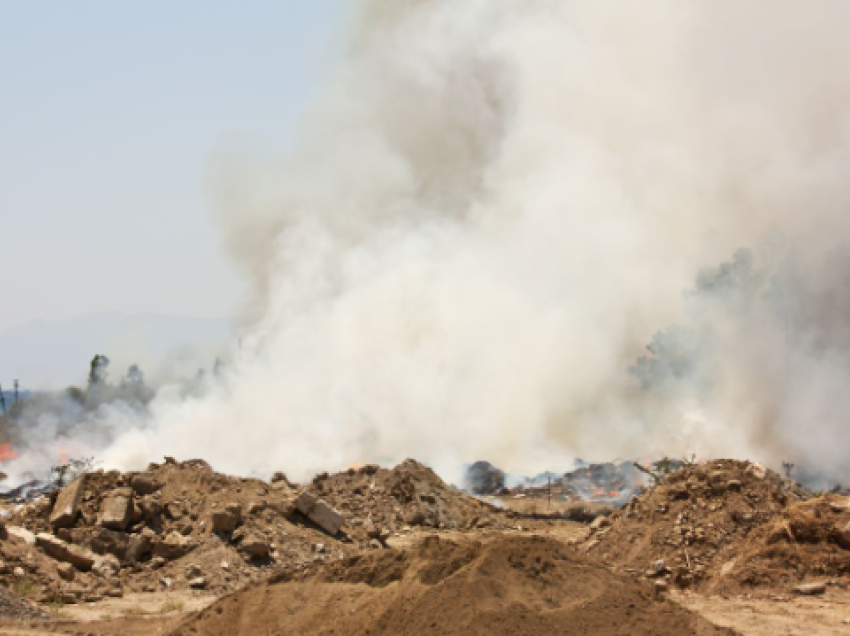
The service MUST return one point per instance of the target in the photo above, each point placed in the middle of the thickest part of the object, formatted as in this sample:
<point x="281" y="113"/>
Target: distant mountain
<point x="55" y="354"/>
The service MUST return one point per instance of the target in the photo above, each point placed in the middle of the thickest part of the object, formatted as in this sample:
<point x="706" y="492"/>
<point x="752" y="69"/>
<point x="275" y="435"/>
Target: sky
<point x="111" y="113"/>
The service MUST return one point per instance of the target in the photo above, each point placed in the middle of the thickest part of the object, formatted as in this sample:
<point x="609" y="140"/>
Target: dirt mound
<point x="690" y="528"/>
<point x="516" y="585"/>
<point x="181" y="525"/>
<point x="807" y="540"/>
<point x="409" y="495"/>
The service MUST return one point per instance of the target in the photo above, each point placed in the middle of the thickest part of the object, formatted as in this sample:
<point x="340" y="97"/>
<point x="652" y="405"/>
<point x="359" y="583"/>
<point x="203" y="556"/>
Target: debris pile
<point x="182" y="525"/>
<point x="808" y="540"/>
<point x="691" y="528"/>
<point x="380" y="502"/>
<point x="508" y="585"/>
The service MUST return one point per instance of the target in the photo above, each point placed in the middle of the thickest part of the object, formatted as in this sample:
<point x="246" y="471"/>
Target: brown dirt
<point x="509" y="585"/>
<point x="378" y="504"/>
<point x="693" y="528"/>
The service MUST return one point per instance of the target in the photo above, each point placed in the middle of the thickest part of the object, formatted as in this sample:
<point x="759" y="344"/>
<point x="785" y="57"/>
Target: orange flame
<point x="7" y="452"/>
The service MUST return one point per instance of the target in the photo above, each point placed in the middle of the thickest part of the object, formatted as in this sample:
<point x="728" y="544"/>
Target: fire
<point x="7" y="452"/>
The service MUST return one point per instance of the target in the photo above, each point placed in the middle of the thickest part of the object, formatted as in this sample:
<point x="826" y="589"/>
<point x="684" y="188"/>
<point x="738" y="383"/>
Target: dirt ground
<point x="790" y="616"/>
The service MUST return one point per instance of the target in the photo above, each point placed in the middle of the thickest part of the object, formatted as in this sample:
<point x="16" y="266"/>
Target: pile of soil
<point x="409" y="495"/>
<point x="690" y="528"/>
<point x="808" y="540"/>
<point x="181" y="525"/>
<point x="510" y="585"/>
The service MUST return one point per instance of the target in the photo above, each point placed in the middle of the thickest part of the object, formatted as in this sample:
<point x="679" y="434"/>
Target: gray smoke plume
<point x="496" y="205"/>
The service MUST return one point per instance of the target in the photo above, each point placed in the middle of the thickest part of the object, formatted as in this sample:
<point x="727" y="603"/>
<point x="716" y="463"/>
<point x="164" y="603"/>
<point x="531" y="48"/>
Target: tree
<point x="98" y="371"/>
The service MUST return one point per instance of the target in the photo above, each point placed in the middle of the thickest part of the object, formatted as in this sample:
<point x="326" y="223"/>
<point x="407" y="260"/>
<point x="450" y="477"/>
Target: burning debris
<point x="609" y="482"/>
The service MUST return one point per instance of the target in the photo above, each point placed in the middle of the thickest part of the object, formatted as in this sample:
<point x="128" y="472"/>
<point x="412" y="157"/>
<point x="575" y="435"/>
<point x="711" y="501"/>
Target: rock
<point x="840" y="504"/>
<point x="21" y="533"/>
<point x="319" y="512"/>
<point x="254" y="546"/>
<point x="157" y="562"/>
<point x="223" y="522"/>
<point x="842" y="535"/>
<point x="734" y="485"/>
<point x="756" y="470"/>
<point x="319" y="548"/>
<point x="54" y="547"/>
<point x="137" y="547"/>
<point x="600" y="522"/>
<point x="144" y="484"/>
<point x="115" y="512"/>
<point x="280" y="477"/>
<point x="255" y="506"/>
<point x="235" y="509"/>
<point x="67" y="505"/>
<point x="19" y="573"/>
<point x="810" y="589"/>
<point x="376" y="545"/>
<point x="107" y="565"/>
<point x="110" y="542"/>
<point x="174" y="546"/>
<point x="193" y="571"/>
<point x="66" y="571"/>
<point x="198" y="583"/>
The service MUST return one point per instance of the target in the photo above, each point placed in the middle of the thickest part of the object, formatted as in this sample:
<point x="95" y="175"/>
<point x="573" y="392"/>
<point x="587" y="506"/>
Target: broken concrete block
<point x="55" y="548"/>
<point x="115" y="512"/>
<point x="174" y="546"/>
<point x="223" y="522"/>
<point x="144" y="484"/>
<point x="67" y="505"/>
<point x="138" y="546"/>
<point x="66" y="571"/>
<point x="319" y="512"/>
<point x="254" y="546"/>
<point x="21" y="533"/>
<point x="107" y="541"/>
<point x="810" y="589"/>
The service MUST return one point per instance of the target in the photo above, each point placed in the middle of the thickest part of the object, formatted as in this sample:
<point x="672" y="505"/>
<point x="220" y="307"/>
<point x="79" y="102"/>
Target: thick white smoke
<point x="493" y="209"/>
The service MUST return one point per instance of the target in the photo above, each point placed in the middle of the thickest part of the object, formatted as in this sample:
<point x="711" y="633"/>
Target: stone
<point x="255" y="506"/>
<point x="756" y="470"/>
<point x="67" y="505"/>
<point x="137" y="547"/>
<point x="144" y="484"/>
<point x="193" y="571"/>
<point x="319" y="512"/>
<point x="254" y="546"/>
<point x="107" y="541"/>
<point x="734" y="485"/>
<point x="600" y="522"/>
<point x="66" y="571"/>
<point x="115" y="512"/>
<point x="55" y="548"/>
<point x="21" y="533"/>
<point x="106" y="565"/>
<point x="174" y="546"/>
<point x="842" y="535"/>
<point x="810" y="589"/>
<point x="235" y="509"/>
<point x="198" y="583"/>
<point x="223" y="522"/>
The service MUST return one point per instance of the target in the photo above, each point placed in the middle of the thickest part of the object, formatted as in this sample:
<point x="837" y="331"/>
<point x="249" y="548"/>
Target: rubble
<point x="111" y="533"/>
<point x="724" y="527"/>
<point x="319" y="512"/>
<point x="67" y="505"/>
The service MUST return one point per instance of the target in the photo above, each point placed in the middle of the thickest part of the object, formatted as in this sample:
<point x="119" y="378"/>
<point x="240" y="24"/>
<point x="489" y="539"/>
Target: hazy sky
<point x="110" y="112"/>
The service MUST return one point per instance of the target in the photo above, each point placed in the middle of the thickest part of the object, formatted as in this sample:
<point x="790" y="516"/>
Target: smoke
<point x="494" y="207"/>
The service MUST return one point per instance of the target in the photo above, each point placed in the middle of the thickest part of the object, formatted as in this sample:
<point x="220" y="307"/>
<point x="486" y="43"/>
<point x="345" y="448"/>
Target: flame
<point x="63" y="457"/>
<point x="7" y="452"/>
